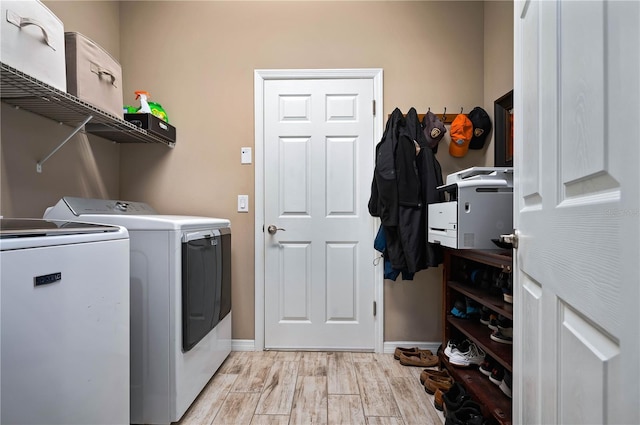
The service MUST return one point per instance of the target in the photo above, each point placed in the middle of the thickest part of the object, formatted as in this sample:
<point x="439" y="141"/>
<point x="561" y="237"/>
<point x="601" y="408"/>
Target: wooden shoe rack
<point x="458" y="266"/>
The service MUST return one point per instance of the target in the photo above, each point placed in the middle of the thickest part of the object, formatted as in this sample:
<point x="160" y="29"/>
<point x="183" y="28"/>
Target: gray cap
<point x="433" y="129"/>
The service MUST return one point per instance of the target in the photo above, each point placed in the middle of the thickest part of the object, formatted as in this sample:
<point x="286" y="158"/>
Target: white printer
<point x="479" y="208"/>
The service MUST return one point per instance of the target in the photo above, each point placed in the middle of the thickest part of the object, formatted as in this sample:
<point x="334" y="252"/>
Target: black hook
<point x="461" y="108"/>
<point x="429" y="109"/>
<point x="444" y="114"/>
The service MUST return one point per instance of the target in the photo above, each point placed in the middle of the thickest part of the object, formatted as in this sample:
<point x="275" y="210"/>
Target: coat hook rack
<point x="444" y="117"/>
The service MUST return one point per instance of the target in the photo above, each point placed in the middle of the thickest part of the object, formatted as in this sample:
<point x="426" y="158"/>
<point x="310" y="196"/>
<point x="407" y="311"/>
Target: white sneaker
<point x="450" y="344"/>
<point x="473" y="355"/>
<point x="453" y="347"/>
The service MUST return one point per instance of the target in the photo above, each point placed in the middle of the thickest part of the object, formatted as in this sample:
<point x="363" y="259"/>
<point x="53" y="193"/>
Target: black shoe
<point x="505" y="385"/>
<point x="501" y="322"/>
<point x="486" y="367"/>
<point x="472" y="308"/>
<point x="465" y="417"/>
<point x="460" y="309"/>
<point x="485" y="315"/>
<point x="469" y="404"/>
<point x="453" y="399"/>
<point x="496" y="375"/>
<point x="486" y="279"/>
<point x="499" y="336"/>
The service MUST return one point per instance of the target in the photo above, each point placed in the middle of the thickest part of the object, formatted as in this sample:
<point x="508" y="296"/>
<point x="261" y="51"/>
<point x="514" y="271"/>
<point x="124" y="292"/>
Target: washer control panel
<point x="106" y="206"/>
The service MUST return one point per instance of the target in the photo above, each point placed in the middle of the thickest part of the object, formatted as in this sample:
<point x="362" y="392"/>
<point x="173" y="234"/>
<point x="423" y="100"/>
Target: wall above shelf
<point x="25" y="92"/>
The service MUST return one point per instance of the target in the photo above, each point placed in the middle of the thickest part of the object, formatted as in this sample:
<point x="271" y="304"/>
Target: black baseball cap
<point x="481" y="127"/>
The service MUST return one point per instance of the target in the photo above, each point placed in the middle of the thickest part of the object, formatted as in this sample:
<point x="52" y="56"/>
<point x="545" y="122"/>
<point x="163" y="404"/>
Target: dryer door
<point x="201" y="285"/>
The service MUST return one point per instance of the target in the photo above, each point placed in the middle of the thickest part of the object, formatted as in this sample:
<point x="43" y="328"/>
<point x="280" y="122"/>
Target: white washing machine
<point x="180" y="301"/>
<point x="65" y="323"/>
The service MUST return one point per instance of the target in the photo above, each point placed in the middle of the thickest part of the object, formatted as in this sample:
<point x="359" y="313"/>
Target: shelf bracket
<point x="73" y="133"/>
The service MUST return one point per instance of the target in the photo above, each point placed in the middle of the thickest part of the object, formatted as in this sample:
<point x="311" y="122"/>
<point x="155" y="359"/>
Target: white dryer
<point x="65" y="323"/>
<point x="180" y="301"/>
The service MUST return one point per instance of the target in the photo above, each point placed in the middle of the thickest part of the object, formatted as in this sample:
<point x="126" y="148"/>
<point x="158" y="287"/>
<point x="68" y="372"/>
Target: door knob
<point x="272" y="229"/>
<point x="510" y="238"/>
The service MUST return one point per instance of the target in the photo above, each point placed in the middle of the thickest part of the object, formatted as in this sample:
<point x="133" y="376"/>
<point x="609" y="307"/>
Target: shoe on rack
<point x="421" y="360"/>
<point x="454" y="345"/>
<point x="475" y="276"/>
<point x="453" y="399"/>
<point x="497" y="283"/>
<point x="505" y="385"/>
<point x="465" y="417"/>
<point x="500" y="322"/>
<point x="459" y="309"/>
<point x="485" y="315"/>
<point x="486" y="279"/>
<point x="486" y="366"/>
<point x="498" y="336"/>
<point x="506" y="327"/>
<point x="432" y="372"/>
<point x="467" y="404"/>
<point x="473" y="356"/>
<point x="433" y="383"/>
<point x="507" y="292"/>
<point x="409" y="352"/>
<point x="472" y="308"/>
<point x="496" y="375"/>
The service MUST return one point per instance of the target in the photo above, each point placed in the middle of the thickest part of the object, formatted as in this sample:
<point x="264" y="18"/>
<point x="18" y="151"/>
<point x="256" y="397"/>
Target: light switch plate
<point x="243" y="203"/>
<point x="245" y="155"/>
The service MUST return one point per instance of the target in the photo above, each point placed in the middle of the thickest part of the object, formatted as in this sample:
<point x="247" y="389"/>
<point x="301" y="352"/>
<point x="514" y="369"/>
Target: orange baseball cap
<point x="461" y="134"/>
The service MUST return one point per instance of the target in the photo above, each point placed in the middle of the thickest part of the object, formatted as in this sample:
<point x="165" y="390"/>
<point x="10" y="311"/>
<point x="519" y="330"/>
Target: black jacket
<point x="405" y="179"/>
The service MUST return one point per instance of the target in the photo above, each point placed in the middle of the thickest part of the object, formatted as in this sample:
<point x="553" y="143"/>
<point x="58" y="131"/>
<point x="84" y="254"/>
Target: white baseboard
<point x="243" y="345"/>
<point x="390" y="346"/>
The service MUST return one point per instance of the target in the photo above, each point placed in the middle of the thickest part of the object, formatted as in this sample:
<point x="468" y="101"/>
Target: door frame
<point x="260" y="77"/>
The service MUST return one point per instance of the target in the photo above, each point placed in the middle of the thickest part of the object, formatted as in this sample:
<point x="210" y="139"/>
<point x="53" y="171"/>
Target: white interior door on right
<point x="577" y="211"/>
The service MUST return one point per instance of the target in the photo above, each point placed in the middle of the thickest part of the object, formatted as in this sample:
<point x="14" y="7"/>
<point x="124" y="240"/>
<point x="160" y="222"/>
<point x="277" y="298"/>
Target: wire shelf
<point x="23" y="91"/>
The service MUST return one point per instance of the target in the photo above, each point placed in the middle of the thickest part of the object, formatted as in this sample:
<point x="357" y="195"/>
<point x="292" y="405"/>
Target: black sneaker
<point x="505" y="326"/>
<point x="500" y="322"/>
<point x="493" y="323"/>
<point x="498" y="336"/>
<point x="505" y="385"/>
<point x="486" y="366"/>
<point x="507" y="293"/>
<point x="485" y="315"/>
<point x="459" y="309"/>
<point x="472" y="308"/>
<point x="497" y="374"/>
<point x="486" y="279"/>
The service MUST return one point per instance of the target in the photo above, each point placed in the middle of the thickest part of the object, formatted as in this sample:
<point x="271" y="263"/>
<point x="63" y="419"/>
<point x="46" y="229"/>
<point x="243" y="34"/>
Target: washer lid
<point x="29" y="228"/>
<point x="132" y="215"/>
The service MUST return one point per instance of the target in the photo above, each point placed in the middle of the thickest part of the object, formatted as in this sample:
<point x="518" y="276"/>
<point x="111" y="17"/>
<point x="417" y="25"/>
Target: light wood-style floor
<point x="270" y="387"/>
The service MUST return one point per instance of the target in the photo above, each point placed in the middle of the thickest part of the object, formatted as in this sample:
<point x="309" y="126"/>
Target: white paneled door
<point x="318" y="165"/>
<point x="576" y="293"/>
